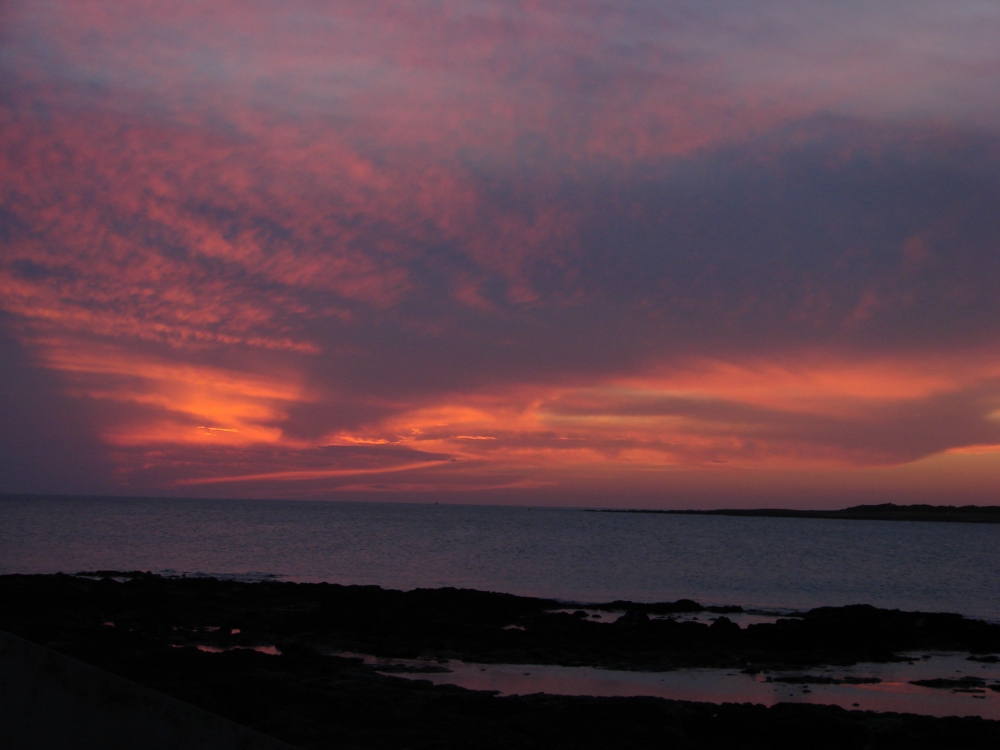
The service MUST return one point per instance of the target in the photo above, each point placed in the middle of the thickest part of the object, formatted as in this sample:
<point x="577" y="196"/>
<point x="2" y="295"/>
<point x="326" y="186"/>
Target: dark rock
<point x="810" y="679"/>
<point x="469" y="625"/>
<point x="944" y="682"/>
<point x="318" y="701"/>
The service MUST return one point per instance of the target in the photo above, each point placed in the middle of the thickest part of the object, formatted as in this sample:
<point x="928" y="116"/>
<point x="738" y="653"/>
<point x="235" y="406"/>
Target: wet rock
<point x="472" y="625"/>
<point x="635" y="618"/>
<point x="810" y="679"/>
<point x="724" y="628"/>
<point x="945" y="682"/>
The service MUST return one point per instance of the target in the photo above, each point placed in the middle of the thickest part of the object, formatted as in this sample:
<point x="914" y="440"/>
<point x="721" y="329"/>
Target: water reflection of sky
<point x="894" y="693"/>
<point x="750" y="617"/>
<point x="570" y="556"/>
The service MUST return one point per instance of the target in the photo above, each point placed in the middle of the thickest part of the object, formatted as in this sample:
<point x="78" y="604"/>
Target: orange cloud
<point x="176" y="402"/>
<point x="306" y="474"/>
<point x="757" y="415"/>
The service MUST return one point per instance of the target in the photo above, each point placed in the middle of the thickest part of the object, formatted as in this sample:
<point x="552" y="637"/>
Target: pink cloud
<point x="487" y="240"/>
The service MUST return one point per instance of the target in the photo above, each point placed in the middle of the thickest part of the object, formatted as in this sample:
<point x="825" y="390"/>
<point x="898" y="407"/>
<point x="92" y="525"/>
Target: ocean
<point x="767" y="564"/>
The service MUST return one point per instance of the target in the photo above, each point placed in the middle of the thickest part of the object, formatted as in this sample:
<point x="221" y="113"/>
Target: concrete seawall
<point x="52" y="702"/>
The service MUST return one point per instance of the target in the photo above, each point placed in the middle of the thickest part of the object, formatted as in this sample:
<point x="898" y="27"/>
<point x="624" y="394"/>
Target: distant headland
<point x="883" y="512"/>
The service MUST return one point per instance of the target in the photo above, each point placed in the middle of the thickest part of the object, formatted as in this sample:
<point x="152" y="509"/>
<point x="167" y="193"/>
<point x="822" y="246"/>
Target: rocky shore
<point x="881" y="512"/>
<point x="194" y="639"/>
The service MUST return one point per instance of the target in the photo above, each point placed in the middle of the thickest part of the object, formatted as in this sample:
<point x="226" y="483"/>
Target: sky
<point x="698" y="253"/>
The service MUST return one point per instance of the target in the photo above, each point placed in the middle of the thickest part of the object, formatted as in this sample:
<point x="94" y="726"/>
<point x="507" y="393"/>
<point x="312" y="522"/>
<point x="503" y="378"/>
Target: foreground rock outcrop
<point x="180" y="637"/>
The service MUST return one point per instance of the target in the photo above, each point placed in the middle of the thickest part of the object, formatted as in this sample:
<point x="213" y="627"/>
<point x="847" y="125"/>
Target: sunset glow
<point x="636" y="254"/>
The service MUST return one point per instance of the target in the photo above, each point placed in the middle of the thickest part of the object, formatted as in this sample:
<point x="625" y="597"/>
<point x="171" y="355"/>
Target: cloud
<point x="47" y="444"/>
<point x="510" y="234"/>
<point x="304" y="474"/>
<point x="690" y="429"/>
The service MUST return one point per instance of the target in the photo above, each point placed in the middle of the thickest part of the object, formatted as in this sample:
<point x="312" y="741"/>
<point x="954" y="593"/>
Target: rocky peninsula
<point x="882" y="512"/>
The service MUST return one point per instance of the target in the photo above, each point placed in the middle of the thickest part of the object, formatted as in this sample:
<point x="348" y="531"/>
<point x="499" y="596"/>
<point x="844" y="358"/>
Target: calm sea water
<point x="572" y="555"/>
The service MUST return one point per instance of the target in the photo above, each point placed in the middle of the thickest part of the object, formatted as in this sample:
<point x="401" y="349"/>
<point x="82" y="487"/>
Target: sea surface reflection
<point x="894" y="692"/>
<point x="776" y="564"/>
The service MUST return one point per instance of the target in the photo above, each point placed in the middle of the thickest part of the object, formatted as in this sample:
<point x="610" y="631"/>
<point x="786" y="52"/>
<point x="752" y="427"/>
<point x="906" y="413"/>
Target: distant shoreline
<point x="884" y="512"/>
